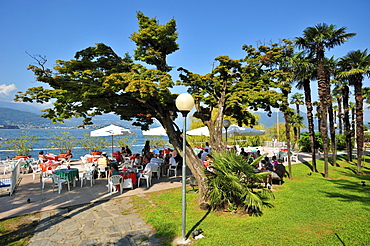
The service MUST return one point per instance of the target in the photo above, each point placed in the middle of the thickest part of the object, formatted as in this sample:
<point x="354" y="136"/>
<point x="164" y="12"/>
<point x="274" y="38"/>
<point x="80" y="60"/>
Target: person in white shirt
<point x="203" y="157"/>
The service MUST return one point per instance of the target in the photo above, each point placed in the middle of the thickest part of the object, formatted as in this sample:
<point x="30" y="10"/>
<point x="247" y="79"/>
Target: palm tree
<point x="356" y="65"/>
<point x="331" y="66"/>
<point x="230" y="182"/>
<point x="297" y="99"/>
<point x="303" y="73"/>
<point x="337" y="93"/>
<point x="315" y="40"/>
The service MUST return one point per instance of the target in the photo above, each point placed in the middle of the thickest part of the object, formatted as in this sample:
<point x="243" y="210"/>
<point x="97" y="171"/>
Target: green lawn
<point x="307" y="210"/>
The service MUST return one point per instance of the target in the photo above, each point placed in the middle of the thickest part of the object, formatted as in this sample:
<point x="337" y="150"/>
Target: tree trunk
<point x="332" y="134"/>
<point x="340" y="125"/>
<point x="347" y="127"/>
<point x="311" y="131"/>
<point x="287" y="132"/>
<point x="323" y="94"/>
<point x="359" y="122"/>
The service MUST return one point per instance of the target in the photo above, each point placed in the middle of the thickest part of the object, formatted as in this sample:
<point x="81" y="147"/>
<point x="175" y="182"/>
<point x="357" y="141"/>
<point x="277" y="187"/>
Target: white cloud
<point x="7" y="89"/>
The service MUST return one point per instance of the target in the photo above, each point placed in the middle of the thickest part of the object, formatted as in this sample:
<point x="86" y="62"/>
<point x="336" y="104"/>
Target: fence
<point x="15" y="176"/>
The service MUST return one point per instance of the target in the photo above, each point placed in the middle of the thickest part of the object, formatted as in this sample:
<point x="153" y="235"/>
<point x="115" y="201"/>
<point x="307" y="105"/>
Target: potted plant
<point x="63" y="141"/>
<point x="22" y="144"/>
<point x="93" y="144"/>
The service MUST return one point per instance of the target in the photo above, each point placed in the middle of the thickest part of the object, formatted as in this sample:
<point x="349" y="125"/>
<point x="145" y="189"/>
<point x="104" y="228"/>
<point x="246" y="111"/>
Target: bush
<point x="305" y="144"/>
<point x="230" y="184"/>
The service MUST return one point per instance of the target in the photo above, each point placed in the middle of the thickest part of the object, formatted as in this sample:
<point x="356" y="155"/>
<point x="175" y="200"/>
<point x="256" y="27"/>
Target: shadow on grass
<point x="198" y="223"/>
<point x="17" y="235"/>
<point x="351" y="190"/>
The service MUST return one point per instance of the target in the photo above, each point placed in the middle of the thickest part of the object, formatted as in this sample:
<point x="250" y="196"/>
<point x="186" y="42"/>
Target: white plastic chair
<point x="59" y="181"/>
<point x="147" y="176"/>
<point x="35" y="169"/>
<point x="113" y="181"/>
<point x="156" y="170"/>
<point x="48" y="174"/>
<point x="89" y="174"/>
<point x="172" y="168"/>
<point x="102" y="170"/>
<point x="294" y="157"/>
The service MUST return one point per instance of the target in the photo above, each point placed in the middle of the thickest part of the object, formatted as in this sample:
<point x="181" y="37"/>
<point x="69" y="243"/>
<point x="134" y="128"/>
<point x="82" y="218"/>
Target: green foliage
<point x="230" y="183"/>
<point x="93" y="143"/>
<point x="63" y="141"/>
<point x="125" y="141"/>
<point x="22" y="144"/>
<point x="342" y="142"/>
<point x="305" y="144"/>
<point x="158" y="141"/>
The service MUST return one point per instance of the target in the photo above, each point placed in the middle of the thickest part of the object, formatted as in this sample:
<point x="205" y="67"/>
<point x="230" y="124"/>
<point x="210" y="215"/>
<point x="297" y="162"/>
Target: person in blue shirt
<point x="155" y="151"/>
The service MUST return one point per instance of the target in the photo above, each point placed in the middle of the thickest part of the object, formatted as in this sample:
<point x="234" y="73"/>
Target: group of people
<point x="42" y="157"/>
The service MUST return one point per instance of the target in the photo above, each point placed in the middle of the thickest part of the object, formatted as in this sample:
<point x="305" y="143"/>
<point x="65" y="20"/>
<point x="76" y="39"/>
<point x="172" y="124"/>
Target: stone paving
<point x="113" y="222"/>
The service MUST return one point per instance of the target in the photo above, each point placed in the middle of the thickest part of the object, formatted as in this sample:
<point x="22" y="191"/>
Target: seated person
<point x="68" y="154"/>
<point x="113" y="170"/>
<point x="203" y="157"/>
<point x="103" y="162"/>
<point x="279" y="170"/>
<point x="171" y="162"/>
<point x="42" y="157"/>
<point x="274" y="161"/>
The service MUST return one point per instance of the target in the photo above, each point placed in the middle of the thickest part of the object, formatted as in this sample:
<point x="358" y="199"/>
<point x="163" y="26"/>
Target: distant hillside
<point x="24" y="119"/>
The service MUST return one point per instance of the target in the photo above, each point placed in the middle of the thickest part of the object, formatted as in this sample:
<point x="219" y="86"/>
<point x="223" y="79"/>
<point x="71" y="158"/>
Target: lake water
<point x="44" y="141"/>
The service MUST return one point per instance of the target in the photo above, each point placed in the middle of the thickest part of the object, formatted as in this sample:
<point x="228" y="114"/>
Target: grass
<point x="17" y="231"/>
<point x="308" y="210"/>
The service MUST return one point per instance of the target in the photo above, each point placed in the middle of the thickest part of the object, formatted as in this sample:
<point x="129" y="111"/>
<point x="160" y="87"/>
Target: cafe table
<point x="49" y="165"/>
<point x="51" y="157"/>
<point x="71" y="174"/>
<point x="129" y="175"/>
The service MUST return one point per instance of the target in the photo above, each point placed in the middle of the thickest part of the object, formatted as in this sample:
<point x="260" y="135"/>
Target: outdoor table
<point x="49" y="165"/>
<point x="51" y="157"/>
<point x="70" y="174"/>
<point x="282" y="154"/>
<point x="92" y="158"/>
<point x="129" y="175"/>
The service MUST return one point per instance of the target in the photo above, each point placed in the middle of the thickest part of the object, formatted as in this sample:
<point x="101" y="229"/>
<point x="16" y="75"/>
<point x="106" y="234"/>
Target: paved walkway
<point x="103" y="223"/>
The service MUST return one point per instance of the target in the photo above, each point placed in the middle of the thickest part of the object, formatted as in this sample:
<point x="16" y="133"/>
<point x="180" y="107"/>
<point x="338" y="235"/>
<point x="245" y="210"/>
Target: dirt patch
<point x="18" y="230"/>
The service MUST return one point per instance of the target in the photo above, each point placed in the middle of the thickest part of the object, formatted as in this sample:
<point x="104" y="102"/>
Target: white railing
<point x="15" y="176"/>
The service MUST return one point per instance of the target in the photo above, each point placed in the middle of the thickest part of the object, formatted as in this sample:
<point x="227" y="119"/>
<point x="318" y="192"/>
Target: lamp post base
<point x="181" y="241"/>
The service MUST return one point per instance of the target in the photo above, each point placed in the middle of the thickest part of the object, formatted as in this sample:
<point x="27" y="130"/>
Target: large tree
<point x="315" y="40"/>
<point x="99" y="81"/>
<point x="230" y="90"/>
<point x="356" y="65"/>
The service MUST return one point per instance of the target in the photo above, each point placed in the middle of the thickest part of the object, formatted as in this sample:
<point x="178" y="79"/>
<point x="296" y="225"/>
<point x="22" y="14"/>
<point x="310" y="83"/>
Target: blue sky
<point x="207" y="29"/>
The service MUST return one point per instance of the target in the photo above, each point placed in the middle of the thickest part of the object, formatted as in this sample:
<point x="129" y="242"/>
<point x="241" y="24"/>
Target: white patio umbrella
<point x="199" y="131"/>
<point x="111" y="130"/>
<point x="157" y="131"/>
<point x="233" y="130"/>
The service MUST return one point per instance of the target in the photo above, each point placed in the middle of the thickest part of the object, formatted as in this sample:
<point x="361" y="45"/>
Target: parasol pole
<point x="112" y="146"/>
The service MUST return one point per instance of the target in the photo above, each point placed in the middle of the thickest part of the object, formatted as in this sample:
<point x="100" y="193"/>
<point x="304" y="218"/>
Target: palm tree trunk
<point x="311" y="131"/>
<point x="287" y="131"/>
<point x="323" y="95"/>
<point x="332" y="134"/>
<point x="347" y="127"/>
<point x="340" y="124"/>
<point x="359" y="122"/>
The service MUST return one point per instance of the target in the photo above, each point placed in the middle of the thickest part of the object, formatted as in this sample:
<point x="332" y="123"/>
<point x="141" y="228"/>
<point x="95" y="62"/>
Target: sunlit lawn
<point x="308" y="210"/>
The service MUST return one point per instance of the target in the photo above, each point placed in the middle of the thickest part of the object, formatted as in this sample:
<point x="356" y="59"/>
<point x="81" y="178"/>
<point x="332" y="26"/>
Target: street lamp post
<point x="184" y="103"/>
<point x="226" y="124"/>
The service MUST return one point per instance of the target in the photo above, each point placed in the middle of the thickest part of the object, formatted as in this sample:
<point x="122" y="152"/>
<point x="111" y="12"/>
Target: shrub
<point x="231" y="184"/>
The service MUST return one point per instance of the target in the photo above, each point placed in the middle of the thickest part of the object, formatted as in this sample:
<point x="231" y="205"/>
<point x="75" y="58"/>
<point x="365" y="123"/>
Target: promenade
<point x="87" y="215"/>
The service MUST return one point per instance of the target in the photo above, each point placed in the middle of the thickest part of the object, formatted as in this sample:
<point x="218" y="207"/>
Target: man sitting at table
<point x="279" y="170"/>
<point x="103" y="162"/>
<point x="42" y="157"/>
